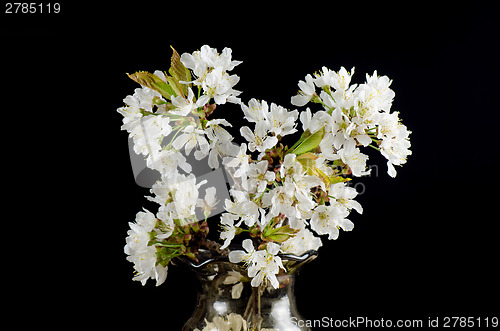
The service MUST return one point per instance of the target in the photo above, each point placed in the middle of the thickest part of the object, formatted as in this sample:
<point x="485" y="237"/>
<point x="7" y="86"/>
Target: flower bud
<point x="255" y="232"/>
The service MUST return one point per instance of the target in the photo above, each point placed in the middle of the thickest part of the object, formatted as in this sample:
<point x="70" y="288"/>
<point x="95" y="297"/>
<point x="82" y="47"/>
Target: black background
<point x="426" y="244"/>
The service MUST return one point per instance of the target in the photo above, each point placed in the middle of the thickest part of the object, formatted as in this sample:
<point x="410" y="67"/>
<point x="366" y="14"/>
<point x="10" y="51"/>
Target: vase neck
<point x="226" y="296"/>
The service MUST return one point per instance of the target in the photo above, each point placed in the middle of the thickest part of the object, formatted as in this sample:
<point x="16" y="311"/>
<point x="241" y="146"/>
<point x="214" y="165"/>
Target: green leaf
<point x="165" y="89"/>
<point x="179" y="71"/>
<point x="152" y="81"/>
<point x="280" y="234"/>
<point x="309" y="143"/>
<point x="176" y="86"/>
<point x="144" y="78"/>
<point x="303" y="136"/>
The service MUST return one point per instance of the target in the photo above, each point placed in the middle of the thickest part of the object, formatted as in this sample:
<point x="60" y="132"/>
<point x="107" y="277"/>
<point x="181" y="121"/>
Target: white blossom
<point x="355" y="160"/>
<point x="166" y="161"/>
<point x="259" y="140"/>
<point x="338" y="80"/>
<point x="209" y="202"/>
<point x="301" y="242"/>
<point x="243" y="207"/>
<point x="240" y="161"/>
<point x="204" y="59"/>
<point x="315" y="122"/>
<point x="328" y="151"/>
<point x="280" y="200"/>
<point x="185" y="105"/>
<point x="220" y="141"/>
<point x="291" y="167"/>
<point x="328" y="219"/>
<point x="190" y="138"/>
<point x="210" y="70"/>
<point x="131" y="112"/>
<point x="178" y="193"/>
<point x="236" y="279"/>
<point x="343" y="197"/>
<point x="262" y="264"/>
<point x="147" y="132"/>
<point x="138" y="235"/>
<point x="140" y="253"/>
<point x="282" y="121"/>
<point x="259" y="177"/>
<point x="215" y="130"/>
<point x="395" y="144"/>
<point x="185" y="195"/>
<point x="380" y="96"/>
<point x="145" y="96"/>
<point x="255" y="111"/>
<point x="265" y="266"/>
<point x="228" y="230"/>
<point x="395" y="150"/>
<point x="219" y="85"/>
<point x="246" y="256"/>
<point x="307" y="90"/>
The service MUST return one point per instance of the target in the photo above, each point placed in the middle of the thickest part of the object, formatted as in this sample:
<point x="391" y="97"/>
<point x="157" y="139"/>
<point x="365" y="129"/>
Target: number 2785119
<point x="32" y="8"/>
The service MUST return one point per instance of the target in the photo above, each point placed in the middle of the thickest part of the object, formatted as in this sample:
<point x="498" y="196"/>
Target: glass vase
<point x="227" y="301"/>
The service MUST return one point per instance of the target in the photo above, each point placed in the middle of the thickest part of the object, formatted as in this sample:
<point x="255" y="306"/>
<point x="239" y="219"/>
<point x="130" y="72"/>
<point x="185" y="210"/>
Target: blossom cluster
<point x="359" y="116"/>
<point x="283" y="199"/>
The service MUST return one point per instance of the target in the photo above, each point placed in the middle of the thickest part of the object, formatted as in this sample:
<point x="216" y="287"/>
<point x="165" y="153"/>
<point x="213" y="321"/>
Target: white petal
<point x="188" y="60"/>
<point x="190" y="94"/>
<point x="273" y="248"/>
<point x="248" y="245"/>
<point x="160" y="274"/>
<point x="203" y="100"/>
<point x="270" y="142"/>
<point x="199" y="155"/>
<point x="300" y="100"/>
<point x="273" y="280"/>
<point x="237" y="290"/>
<point x="257" y="280"/>
<point x="234" y="162"/>
<point x="247" y="133"/>
<point x="391" y="170"/>
<point x="334" y="234"/>
<point x="346" y="225"/>
<point x="220" y="99"/>
<point x="213" y="160"/>
<point x="356" y="206"/>
<point x="180" y="141"/>
<point x="254" y="270"/>
<point x="236" y="256"/>
<point x="189" y="146"/>
<point x="364" y="139"/>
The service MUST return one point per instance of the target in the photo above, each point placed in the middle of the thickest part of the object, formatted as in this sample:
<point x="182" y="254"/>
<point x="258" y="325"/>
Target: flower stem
<point x="257" y="319"/>
<point x="249" y="308"/>
<point x="253" y="309"/>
